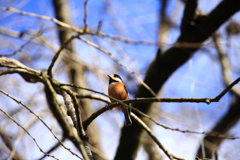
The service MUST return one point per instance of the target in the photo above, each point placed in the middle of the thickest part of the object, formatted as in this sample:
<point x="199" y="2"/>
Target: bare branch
<point x="7" y="145"/>
<point x="13" y="63"/>
<point x="98" y="33"/>
<point x="27" y="125"/>
<point x="53" y="148"/>
<point x="57" y="54"/>
<point x="55" y="136"/>
<point x="91" y="96"/>
<point x="224" y="61"/>
<point x="85" y="15"/>
<point x="71" y="100"/>
<point x="28" y="134"/>
<point x="158" y="99"/>
<point x="78" y="122"/>
<point x="154" y="138"/>
<point x="208" y="133"/>
<point x="105" y="51"/>
<point x="62" y="24"/>
<point x="119" y="63"/>
<point x="227" y="89"/>
<point x="20" y="48"/>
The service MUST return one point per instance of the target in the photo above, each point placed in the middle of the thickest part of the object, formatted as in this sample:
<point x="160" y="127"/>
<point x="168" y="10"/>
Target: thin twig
<point x="135" y="72"/>
<point x="19" y="49"/>
<point x="217" y="98"/>
<point x="60" y="23"/>
<point x="209" y="133"/>
<point x="27" y="125"/>
<point x="225" y="64"/>
<point x="14" y="64"/>
<point x="154" y="138"/>
<point x="112" y="105"/>
<point x="87" y="89"/>
<point x="119" y="63"/>
<point x="85" y="16"/>
<point x="104" y="51"/>
<point x="53" y="148"/>
<point x="57" y="54"/>
<point x="118" y="38"/>
<point x="158" y="99"/>
<point x="28" y="134"/>
<point x="55" y="136"/>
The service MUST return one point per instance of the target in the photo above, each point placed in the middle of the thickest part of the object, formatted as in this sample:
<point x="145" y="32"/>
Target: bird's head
<point x="114" y="78"/>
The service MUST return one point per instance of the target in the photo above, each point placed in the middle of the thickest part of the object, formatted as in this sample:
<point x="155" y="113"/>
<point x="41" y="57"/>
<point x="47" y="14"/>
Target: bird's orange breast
<point x="118" y="91"/>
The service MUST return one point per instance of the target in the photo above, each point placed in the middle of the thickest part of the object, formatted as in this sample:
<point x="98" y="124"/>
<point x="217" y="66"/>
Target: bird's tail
<point x="127" y="112"/>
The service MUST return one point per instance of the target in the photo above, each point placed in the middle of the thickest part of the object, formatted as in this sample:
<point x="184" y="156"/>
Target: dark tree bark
<point x="193" y="29"/>
<point x="76" y="72"/>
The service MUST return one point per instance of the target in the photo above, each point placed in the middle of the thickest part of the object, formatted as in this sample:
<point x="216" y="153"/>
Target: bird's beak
<point x="109" y="76"/>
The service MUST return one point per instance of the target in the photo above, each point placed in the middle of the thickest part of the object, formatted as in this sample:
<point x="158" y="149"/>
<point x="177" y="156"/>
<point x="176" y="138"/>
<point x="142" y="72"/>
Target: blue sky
<point x="200" y="77"/>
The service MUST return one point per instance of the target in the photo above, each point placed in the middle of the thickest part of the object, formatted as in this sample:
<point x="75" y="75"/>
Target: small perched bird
<point x="118" y="90"/>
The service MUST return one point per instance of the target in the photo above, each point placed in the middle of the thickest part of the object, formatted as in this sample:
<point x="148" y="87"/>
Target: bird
<point x="118" y="90"/>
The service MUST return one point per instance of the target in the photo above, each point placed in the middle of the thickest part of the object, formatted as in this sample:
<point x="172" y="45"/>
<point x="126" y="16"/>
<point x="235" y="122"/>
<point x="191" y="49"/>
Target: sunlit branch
<point x="74" y="102"/>
<point x="78" y="122"/>
<point x="23" y="72"/>
<point x="60" y="23"/>
<point x="80" y="31"/>
<point x="225" y="64"/>
<point x="60" y="115"/>
<point x="8" y="62"/>
<point x="75" y="118"/>
<point x="92" y="96"/>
